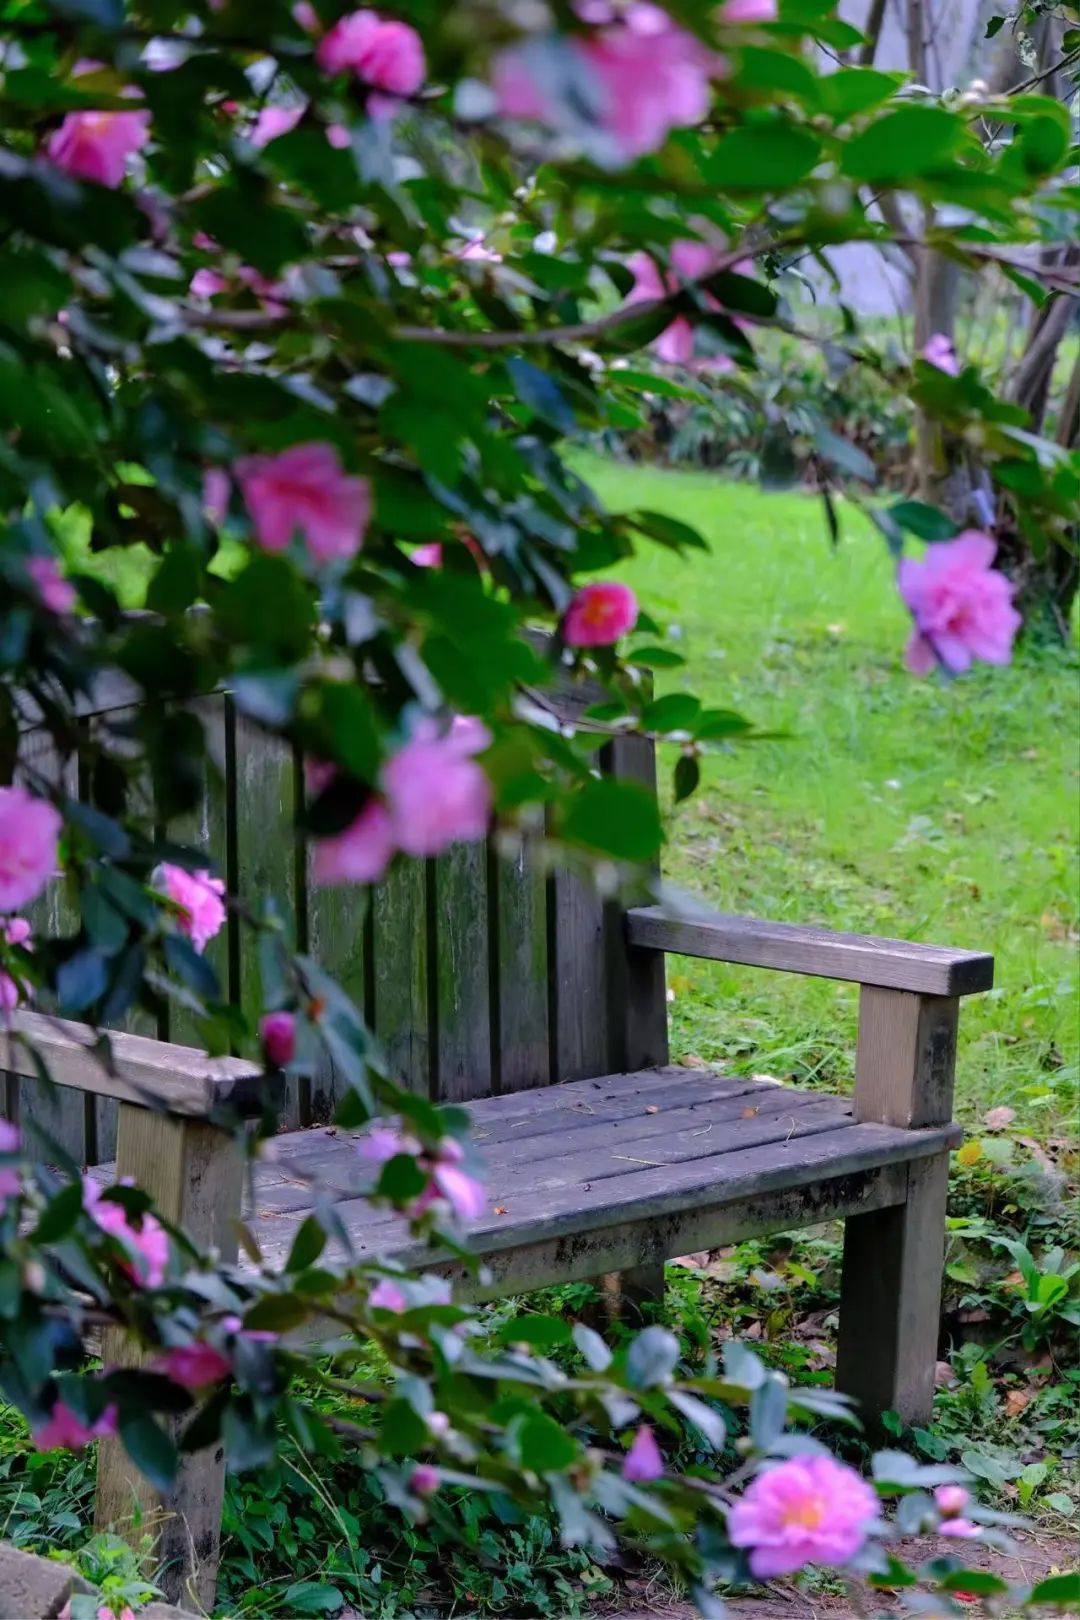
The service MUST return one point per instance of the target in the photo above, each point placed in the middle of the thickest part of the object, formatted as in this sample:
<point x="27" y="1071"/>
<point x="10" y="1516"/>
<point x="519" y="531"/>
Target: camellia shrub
<point x="305" y="303"/>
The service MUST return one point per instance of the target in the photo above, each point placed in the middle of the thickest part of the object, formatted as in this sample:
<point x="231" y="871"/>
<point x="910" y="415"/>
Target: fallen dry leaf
<point x="767" y="1079"/>
<point x="748" y="1113"/>
<point x="500" y="1209"/>
<point x="998" y="1118"/>
<point x="692" y="1061"/>
<point x="1015" y="1401"/>
<point x="693" y="1262"/>
<point x="943" y="1375"/>
<point x="651" y="1108"/>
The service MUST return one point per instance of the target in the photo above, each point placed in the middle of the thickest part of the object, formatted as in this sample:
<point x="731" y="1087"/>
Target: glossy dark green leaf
<point x="687" y="776"/>
<point x="926" y="522"/>
<point x="616" y="818"/>
<point x="151" y="1450"/>
<point x="652" y="1357"/>
<point x="766" y="156"/>
<point x="903" y="144"/>
<point x="307" y="1245"/>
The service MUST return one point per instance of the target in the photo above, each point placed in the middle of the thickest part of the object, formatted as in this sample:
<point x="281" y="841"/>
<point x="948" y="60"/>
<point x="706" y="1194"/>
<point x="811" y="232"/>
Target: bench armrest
<point x="893" y="964"/>
<point x="152" y="1074"/>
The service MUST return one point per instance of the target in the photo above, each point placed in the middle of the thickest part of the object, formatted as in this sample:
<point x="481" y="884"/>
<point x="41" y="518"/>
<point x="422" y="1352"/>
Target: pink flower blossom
<point x="961" y="1529"/>
<point x="149" y="1239"/>
<point x="599" y="614"/>
<point x="806" y="1510"/>
<point x="339" y="136"/>
<point x="207" y="283"/>
<point x="275" y="121"/>
<point x="962" y="607"/>
<point x="195" y="1366"/>
<point x="429" y="556"/>
<point x="216" y="485"/>
<point x="748" y="11"/>
<point x="383" y="1142"/>
<point x="643" y="1461"/>
<point x="277" y="1030"/>
<point x="361" y="853"/>
<point x="384" y="55"/>
<point x="105" y="1613"/>
<point x="952" y="1499"/>
<point x="690" y="261"/>
<point x="10" y="1142"/>
<point x="304" y="490"/>
<point x="648" y="76"/>
<point x="435" y="791"/>
<point x="386" y="1296"/>
<point x="56" y="593"/>
<point x="64" y="1428"/>
<point x="13" y="931"/>
<point x="29" y="835"/>
<point x="199" y="898"/>
<point x="96" y="145"/>
<point x="939" y="352"/>
<point x="476" y="251"/>
<point x="233" y="1324"/>
<point x="425" y="1479"/>
<point x="464" y="1193"/>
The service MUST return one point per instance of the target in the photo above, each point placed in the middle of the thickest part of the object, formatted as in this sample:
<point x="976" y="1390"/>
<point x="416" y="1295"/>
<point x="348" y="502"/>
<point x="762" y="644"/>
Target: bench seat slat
<point x="739" y="1141"/>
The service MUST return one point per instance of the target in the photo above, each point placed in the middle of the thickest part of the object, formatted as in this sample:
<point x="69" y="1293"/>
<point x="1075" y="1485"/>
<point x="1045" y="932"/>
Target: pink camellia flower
<point x="961" y="1529"/>
<point x="383" y="1142"/>
<point x="275" y="121"/>
<point x="29" y="835"/>
<point x="64" y="1428"/>
<point x="599" y="614"/>
<point x="10" y="1142"/>
<point x="13" y="931"/>
<point x="951" y="1499"/>
<point x="149" y="1239"/>
<point x="476" y="251"/>
<point x="216" y="486"/>
<point x="386" y="1296"/>
<point x="199" y="898"/>
<point x="748" y="11"/>
<point x="425" y="1479"/>
<point x="428" y="556"/>
<point x="56" y="593"/>
<point x="449" y="1181"/>
<point x="962" y="606"/>
<point x="690" y="261"/>
<point x="939" y="352"/>
<point x="105" y="1613"/>
<point x="648" y="76"/>
<point x="806" y="1510"/>
<point x="277" y="1031"/>
<point x="339" y="136"/>
<point x="96" y="145"/>
<point x="384" y="55"/>
<point x="361" y="853"/>
<point x="643" y="1461"/>
<point x="304" y="490"/>
<point x="435" y="791"/>
<point x="195" y="1366"/>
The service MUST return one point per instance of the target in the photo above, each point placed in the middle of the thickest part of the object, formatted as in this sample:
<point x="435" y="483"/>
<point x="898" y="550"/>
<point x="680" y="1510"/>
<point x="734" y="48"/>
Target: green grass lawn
<point x="933" y="810"/>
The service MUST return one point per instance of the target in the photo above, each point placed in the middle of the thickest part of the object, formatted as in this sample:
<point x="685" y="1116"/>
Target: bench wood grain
<point x="895" y="964"/>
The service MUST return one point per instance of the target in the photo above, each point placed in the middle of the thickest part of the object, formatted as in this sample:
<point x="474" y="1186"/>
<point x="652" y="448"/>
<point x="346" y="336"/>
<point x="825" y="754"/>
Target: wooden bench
<point x="542" y="1007"/>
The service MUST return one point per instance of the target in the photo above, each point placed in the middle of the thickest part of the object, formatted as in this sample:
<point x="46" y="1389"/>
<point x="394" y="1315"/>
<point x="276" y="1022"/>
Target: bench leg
<point x="890" y="1299"/>
<point x="194" y="1175"/>
<point x="623" y="1294"/>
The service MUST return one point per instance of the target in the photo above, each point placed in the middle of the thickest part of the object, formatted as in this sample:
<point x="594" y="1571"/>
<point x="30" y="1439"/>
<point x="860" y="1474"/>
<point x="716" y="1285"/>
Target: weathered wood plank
<point x="891" y="1290"/>
<point x="636" y="985"/>
<point x="48" y="1115"/>
<point x="518" y="897"/>
<point x="895" y="964"/>
<point x="194" y="1175"/>
<point x="462" y="971"/>
<point x="205" y="828"/>
<point x="267" y="861"/>
<point x="402" y="1016"/>
<point x="176" y="1079"/>
<point x="576" y="978"/>
<point x="604" y="1094"/>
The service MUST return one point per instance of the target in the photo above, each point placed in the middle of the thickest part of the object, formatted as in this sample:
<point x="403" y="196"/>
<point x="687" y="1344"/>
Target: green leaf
<point x="1061" y="1590"/>
<point x="176" y="584"/>
<point x="704" y="1418"/>
<point x="902" y="145"/>
<point x="847" y="458"/>
<point x="651" y="1358"/>
<point x="544" y="1445"/>
<point x="973" y="1580"/>
<point x="763" y="156"/>
<point x="655" y="658"/>
<point x="60" y="1214"/>
<point x="668" y="530"/>
<point x="312" y="1597"/>
<point x="307" y="1245"/>
<point x="675" y="711"/>
<point x="276" y="1313"/>
<point x="541" y="393"/>
<point x="768" y="1412"/>
<point x="352" y="733"/>
<point x="926" y="522"/>
<point x="687" y="776"/>
<point x="616" y="818"/>
<point x="592" y="1347"/>
<point x="542" y="1332"/>
<point x="855" y="89"/>
<point x="150" y="1449"/>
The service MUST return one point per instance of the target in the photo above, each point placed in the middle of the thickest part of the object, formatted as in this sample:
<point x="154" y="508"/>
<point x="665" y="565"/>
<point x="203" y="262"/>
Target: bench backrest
<point x="479" y="973"/>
